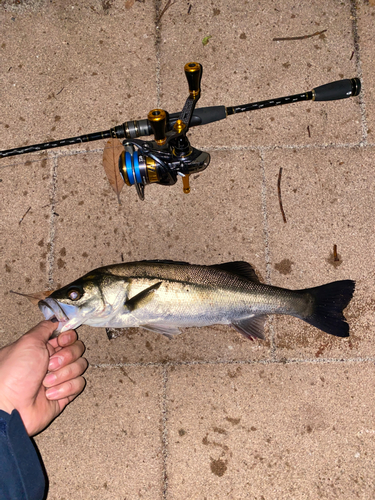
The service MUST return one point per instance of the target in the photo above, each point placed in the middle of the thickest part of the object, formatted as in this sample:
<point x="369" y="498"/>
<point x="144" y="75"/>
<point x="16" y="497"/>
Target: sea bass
<point x="163" y="296"/>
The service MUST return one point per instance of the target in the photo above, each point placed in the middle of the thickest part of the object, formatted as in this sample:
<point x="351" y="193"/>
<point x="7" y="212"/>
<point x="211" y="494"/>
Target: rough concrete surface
<point x="208" y="415"/>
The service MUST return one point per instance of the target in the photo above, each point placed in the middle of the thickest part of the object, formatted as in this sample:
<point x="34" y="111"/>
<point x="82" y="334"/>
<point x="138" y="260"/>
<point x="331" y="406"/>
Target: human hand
<point x="39" y="377"/>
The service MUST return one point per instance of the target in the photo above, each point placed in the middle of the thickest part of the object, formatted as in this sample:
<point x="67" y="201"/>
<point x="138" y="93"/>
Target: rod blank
<point x="340" y="89"/>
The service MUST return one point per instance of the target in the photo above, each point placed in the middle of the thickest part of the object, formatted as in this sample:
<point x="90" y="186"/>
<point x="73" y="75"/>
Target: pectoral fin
<point x="142" y="298"/>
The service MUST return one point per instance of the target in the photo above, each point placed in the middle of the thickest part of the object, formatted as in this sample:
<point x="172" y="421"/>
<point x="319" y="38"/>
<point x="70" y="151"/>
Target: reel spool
<point x="137" y="170"/>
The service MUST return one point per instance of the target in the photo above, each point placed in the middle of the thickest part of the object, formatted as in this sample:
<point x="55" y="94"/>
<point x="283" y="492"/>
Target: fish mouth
<point x="54" y="310"/>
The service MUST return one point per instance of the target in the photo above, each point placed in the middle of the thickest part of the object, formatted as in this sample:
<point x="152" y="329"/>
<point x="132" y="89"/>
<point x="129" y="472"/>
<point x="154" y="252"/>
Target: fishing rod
<point x="170" y="154"/>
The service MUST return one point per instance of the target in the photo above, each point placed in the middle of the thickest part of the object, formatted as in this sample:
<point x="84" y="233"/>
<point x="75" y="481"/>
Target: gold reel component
<point x="158" y="122"/>
<point x="193" y="72"/>
<point x="137" y="169"/>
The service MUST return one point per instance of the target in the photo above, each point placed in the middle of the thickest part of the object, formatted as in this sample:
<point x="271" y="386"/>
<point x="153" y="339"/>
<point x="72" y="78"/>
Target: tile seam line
<point x="266" y="242"/>
<point x="52" y="225"/>
<point x="357" y="51"/>
<point x="265" y="149"/>
<point x="164" y="433"/>
<point x="253" y="148"/>
<point x="221" y="148"/>
<point x="286" y="147"/>
<point x="157" y="5"/>
<point x="164" y="404"/>
<point x="276" y="361"/>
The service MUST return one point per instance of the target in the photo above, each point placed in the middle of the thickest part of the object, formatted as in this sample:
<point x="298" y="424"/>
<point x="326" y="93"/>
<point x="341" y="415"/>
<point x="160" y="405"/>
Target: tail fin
<point x="329" y="302"/>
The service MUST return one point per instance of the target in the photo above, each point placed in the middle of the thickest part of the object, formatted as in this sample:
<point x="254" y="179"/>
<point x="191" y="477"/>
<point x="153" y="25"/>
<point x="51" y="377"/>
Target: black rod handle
<point x="340" y="89"/>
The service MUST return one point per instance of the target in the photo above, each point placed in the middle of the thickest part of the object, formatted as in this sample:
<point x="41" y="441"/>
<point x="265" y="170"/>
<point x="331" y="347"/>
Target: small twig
<point x="24" y="215"/>
<point x="279" y="194"/>
<point x="308" y="130"/>
<point x="60" y="91"/>
<point x="335" y="256"/>
<point x="351" y="57"/>
<point x="298" y="37"/>
<point x="167" y="5"/>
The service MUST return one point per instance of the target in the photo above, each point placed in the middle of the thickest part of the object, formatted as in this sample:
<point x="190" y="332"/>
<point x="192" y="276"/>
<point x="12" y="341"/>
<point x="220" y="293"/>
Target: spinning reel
<point x="170" y="154"/>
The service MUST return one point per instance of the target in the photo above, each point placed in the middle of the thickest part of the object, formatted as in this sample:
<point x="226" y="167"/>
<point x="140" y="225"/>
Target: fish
<point x="164" y="296"/>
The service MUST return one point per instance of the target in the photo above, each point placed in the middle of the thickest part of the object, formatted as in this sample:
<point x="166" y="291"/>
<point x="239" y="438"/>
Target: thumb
<point x="42" y="331"/>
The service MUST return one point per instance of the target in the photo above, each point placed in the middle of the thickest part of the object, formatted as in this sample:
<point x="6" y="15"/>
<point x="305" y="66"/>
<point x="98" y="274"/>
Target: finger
<point x="64" y="402"/>
<point x="66" y="355"/>
<point x="67" y="338"/>
<point x="64" y="339"/>
<point x="42" y="331"/>
<point x="67" y="390"/>
<point x="69" y="372"/>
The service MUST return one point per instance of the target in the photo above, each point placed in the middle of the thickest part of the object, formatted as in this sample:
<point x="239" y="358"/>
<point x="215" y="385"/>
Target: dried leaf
<point x="129" y="4"/>
<point x="34" y="298"/>
<point x="111" y="155"/>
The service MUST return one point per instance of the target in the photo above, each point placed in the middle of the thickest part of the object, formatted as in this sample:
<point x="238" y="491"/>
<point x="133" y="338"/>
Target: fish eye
<point x="74" y="294"/>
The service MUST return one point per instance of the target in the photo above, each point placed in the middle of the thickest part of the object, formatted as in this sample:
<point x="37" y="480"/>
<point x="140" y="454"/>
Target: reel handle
<point x="193" y="73"/>
<point x="341" y="89"/>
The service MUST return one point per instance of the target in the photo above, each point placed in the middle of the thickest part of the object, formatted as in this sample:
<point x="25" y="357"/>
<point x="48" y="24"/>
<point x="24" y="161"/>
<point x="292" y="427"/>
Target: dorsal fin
<point x="166" y="261"/>
<point x="241" y="268"/>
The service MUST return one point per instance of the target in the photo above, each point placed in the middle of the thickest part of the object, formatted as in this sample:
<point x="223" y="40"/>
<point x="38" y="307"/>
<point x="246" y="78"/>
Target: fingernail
<point x="50" y="378"/>
<point x="55" y="362"/>
<point x="52" y="393"/>
<point x="65" y="339"/>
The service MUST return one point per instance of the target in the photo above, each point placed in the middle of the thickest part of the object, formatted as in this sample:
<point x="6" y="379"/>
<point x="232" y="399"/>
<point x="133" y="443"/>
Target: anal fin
<point x="251" y="328"/>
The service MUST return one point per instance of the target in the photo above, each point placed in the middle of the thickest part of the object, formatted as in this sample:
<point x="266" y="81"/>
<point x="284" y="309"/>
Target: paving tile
<point x="107" y="444"/>
<point x="24" y="242"/>
<point x="242" y="63"/>
<point x="301" y="431"/>
<point x="82" y="68"/>
<point x="220" y="220"/>
<point x="327" y="199"/>
<point x="366" y="32"/>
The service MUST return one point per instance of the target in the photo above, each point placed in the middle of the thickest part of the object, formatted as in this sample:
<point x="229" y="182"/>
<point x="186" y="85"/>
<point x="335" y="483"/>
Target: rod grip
<point x="341" y="89"/>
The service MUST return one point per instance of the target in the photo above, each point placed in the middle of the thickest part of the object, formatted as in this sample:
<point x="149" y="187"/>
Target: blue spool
<point x="129" y="170"/>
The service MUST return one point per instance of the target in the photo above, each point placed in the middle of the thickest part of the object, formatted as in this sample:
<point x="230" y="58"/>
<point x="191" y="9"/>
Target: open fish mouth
<point x="65" y="314"/>
<point x="51" y="308"/>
